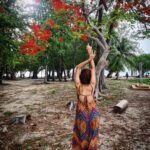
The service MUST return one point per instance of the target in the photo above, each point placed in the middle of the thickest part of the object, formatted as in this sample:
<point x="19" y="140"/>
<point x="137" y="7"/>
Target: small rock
<point x="4" y="130"/>
<point x="33" y="124"/>
<point x="70" y="105"/>
<point x="20" y="119"/>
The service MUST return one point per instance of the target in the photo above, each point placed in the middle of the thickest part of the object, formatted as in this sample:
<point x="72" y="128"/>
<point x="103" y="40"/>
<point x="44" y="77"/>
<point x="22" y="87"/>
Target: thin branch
<point x="98" y="8"/>
<point x="105" y="6"/>
<point x="98" y="32"/>
<point x="97" y="41"/>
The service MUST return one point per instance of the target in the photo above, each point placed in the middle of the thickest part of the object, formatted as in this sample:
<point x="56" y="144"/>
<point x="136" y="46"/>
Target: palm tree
<point x="121" y="55"/>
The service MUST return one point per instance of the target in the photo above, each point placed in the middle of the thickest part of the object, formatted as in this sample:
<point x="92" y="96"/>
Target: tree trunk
<point x="60" y="70"/>
<point x="102" y="84"/>
<point x="73" y="74"/>
<point x="68" y="73"/>
<point x="131" y="72"/>
<point x="100" y="66"/>
<point x="57" y="73"/>
<point x="117" y="75"/>
<point x="110" y="74"/>
<point x="49" y="75"/>
<point x="12" y="76"/>
<point x="20" y="74"/>
<point x="1" y="76"/>
<point x="140" y="70"/>
<point x="46" y="71"/>
<point x="46" y="67"/>
<point x="7" y="74"/>
<point x="53" y="72"/>
<point x="74" y="61"/>
<point x="35" y="72"/>
<point x="61" y="74"/>
<point x="65" y="76"/>
<point x="53" y="75"/>
<point x="63" y="69"/>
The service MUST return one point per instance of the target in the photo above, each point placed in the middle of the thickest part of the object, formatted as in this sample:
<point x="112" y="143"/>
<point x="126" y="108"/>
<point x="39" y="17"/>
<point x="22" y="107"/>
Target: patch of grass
<point x="8" y="113"/>
<point x="52" y="91"/>
<point x="27" y="106"/>
<point x="69" y="115"/>
<point x="34" y="91"/>
<point x="16" y="147"/>
<point x="144" y="80"/>
<point x="106" y="102"/>
<point x="27" y="147"/>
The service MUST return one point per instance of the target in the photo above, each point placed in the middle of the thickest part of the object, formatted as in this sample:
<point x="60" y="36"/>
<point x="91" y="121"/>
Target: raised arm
<point x="78" y="71"/>
<point x="93" y="77"/>
<point x="92" y="65"/>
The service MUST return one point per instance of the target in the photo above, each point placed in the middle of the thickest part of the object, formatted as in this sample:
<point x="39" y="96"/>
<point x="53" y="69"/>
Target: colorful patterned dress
<point x="86" y="128"/>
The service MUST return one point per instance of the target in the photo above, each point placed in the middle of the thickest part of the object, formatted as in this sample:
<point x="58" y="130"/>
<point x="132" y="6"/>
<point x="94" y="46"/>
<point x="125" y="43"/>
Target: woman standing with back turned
<point x="86" y="127"/>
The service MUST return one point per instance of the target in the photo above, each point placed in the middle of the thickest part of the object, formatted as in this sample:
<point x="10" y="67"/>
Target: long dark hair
<point x="85" y="76"/>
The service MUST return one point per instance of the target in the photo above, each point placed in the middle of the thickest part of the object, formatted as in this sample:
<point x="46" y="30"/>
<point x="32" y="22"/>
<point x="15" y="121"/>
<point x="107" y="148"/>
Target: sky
<point x="145" y="45"/>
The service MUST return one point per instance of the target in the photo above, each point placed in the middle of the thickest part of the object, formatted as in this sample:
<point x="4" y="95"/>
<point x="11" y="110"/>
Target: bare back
<point x="85" y="91"/>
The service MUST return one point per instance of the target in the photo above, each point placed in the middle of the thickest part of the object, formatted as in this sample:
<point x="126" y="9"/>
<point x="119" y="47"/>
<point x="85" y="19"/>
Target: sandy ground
<point x="51" y="123"/>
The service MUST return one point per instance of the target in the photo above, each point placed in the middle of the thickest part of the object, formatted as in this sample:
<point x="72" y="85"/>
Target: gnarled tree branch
<point x="94" y="9"/>
<point x="103" y="41"/>
<point x="97" y="41"/>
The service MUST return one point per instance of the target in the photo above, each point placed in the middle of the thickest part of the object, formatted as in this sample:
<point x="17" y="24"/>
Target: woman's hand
<point x="89" y="50"/>
<point x="92" y="55"/>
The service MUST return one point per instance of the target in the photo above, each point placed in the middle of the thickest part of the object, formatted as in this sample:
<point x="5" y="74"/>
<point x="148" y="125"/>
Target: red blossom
<point x="84" y="37"/>
<point x="71" y="18"/>
<point x="57" y="4"/>
<point x="2" y="9"/>
<point x="61" y="39"/>
<point x="135" y="3"/>
<point x="51" y="22"/>
<point x="35" y="28"/>
<point x="144" y="19"/>
<point x="72" y="29"/>
<point x="40" y="33"/>
<point x="45" y="35"/>
<point x="42" y="47"/>
<point x="66" y="7"/>
<point x="146" y="10"/>
<point x="80" y="18"/>
<point x="67" y="22"/>
<point x="29" y="46"/>
<point x="23" y="50"/>
<point x="127" y="7"/>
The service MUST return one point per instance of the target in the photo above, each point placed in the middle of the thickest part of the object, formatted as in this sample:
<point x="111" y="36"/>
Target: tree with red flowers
<point x="80" y="20"/>
<point x="56" y="30"/>
<point x="140" y="9"/>
<point x="62" y="23"/>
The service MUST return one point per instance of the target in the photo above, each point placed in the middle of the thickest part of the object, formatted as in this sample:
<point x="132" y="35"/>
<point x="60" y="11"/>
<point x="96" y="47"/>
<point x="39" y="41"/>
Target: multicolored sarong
<point x="86" y="128"/>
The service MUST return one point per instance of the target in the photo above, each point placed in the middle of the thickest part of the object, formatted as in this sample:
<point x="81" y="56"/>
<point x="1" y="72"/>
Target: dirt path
<point x="130" y="130"/>
<point x="50" y="127"/>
